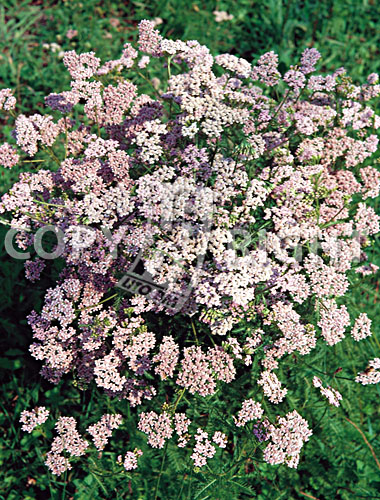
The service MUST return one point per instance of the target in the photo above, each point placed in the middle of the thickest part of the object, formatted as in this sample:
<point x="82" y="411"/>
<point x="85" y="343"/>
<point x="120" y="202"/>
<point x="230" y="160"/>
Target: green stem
<point x="52" y="155"/>
<point x="281" y="104"/>
<point x="182" y="392"/>
<point x="65" y="482"/>
<point x="169" y="68"/>
<point x="160" y="474"/>
<point x="195" y="332"/>
<point x="98" y="304"/>
<point x="49" y="204"/>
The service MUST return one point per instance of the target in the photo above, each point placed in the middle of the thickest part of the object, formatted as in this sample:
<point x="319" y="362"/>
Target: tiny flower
<point x="71" y="34"/>
<point x="221" y="15"/>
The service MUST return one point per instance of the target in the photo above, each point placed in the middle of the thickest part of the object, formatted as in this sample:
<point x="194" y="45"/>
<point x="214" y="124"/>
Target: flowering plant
<point x="209" y="229"/>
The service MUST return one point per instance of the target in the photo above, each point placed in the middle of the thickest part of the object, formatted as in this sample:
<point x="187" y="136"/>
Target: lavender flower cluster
<point x="188" y="178"/>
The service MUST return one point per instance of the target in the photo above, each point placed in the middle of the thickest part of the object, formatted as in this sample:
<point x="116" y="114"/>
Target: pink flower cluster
<point x="203" y="448"/>
<point x="286" y="439"/>
<point x="371" y="374"/>
<point x="158" y="427"/>
<point x="8" y="156"/>
<point x="7" y="100"/>
<point x="30" y="419"/>
<point x="242" y="210"/>
<point x="69" y="441"/>
<point x="331" y="394"/>
<point x="362" y="327"/>
<point x="251" y="410"/>
<point x="130" y="459"/>
<point x="102" y="430"/>
<point x="200" y="371"/>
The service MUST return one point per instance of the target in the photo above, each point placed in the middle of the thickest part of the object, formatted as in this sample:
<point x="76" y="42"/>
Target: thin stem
<point x="333" y="217"/>
<point x="195" y="332"/>
<point x="189" y="489"/>
<point x="365" y="440"/>
<point x="308" y="495"/>
<point x="281" y="104"/>
<point x="150" y="83"/>
<point x="52" y="155"/>
<point x="66" y="140"/>
<point x="169" y="68"/>
<point x="95" y="474"/>
<point x="6" y="222"/>
<point x="183" y="481"/>
<point x="356" y="494"/>
<point x="98" y="304"/>
<point x="49" y="204"/>
<point x="320" y="420"/>
<point x="182" y="392"/>
<point x="65" y="483"/>
<point x="328" y="374"/>
<point x="160" y="474"/>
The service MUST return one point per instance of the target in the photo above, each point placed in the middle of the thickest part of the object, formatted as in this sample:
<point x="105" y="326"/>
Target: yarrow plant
<point x="241" y="191"/>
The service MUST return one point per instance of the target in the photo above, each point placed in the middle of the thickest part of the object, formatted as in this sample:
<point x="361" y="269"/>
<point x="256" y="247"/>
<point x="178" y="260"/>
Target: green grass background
<point x="338" y="463"/>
